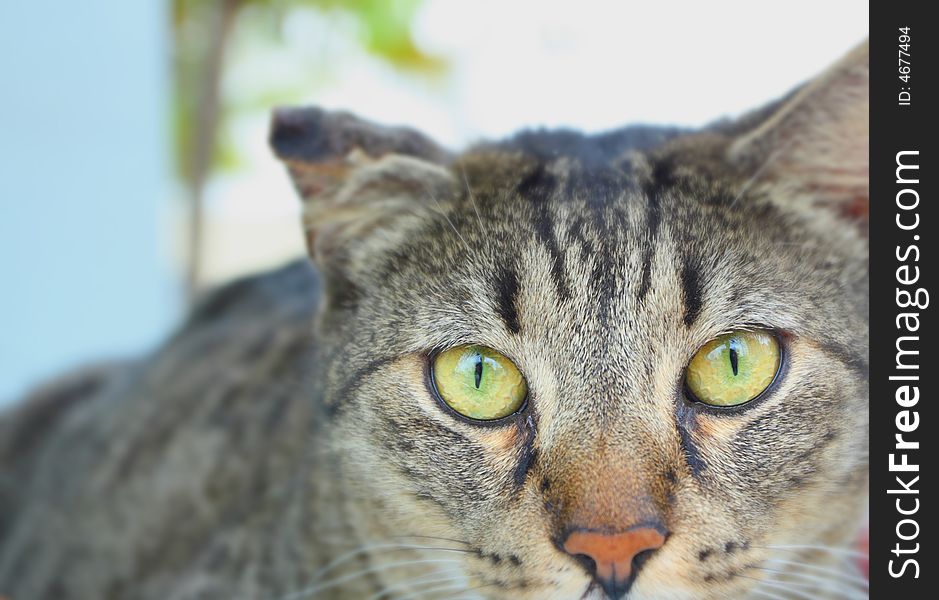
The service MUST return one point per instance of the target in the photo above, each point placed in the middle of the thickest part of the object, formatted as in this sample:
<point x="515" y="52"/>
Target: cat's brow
<point x="507" y="290"/>
<point x="692" y="291"/>
<point x="652" y="226"/>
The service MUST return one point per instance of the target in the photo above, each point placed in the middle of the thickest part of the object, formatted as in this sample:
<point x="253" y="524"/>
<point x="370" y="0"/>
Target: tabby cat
<point x="629" y="365"/>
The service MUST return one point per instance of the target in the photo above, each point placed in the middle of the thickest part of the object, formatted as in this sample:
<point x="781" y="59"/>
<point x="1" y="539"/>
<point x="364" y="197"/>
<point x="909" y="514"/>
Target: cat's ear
<point x="814" y="146"/>
<point x="359" y="182"/>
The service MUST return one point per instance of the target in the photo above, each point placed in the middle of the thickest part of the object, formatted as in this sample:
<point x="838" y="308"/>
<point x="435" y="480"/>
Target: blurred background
<point x="135" y="169"/>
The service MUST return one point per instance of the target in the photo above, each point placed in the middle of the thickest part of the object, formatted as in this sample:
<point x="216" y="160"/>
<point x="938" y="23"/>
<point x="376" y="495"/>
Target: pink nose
<point x="613" y="554"/>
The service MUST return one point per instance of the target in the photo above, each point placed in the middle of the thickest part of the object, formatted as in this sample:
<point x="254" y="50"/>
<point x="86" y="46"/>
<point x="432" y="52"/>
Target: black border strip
<point x="897" y="127"/>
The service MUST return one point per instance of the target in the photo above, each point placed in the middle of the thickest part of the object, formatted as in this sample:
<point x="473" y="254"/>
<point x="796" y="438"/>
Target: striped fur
<point x="599" y="265"/>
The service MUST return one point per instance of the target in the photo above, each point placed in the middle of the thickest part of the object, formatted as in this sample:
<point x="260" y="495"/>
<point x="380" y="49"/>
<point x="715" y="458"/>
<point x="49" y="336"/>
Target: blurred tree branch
<point x="204" y="32"/>
<point x="205" y="128"/>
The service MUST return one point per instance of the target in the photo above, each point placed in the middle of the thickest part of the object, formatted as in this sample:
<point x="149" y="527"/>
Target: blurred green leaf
<point x="383" y="28"/>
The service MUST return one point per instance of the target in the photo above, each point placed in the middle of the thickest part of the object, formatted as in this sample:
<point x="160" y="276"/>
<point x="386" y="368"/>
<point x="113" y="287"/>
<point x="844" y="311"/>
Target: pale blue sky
<point x="84" y="162"/>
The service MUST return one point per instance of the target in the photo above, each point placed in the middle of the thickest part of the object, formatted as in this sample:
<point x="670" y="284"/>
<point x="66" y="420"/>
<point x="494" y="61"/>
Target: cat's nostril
<point x="641" y="559"/>
<point x="589" y="564"/>
<point x="614" y="559"/>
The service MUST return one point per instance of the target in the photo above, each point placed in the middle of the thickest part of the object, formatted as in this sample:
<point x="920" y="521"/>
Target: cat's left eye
<point x="479" y="383"/>
<point x="734" y="368"/>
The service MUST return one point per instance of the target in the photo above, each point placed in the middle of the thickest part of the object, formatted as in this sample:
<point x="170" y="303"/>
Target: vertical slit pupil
<point x="479" y="370"/>
<point x="733" y="358"/>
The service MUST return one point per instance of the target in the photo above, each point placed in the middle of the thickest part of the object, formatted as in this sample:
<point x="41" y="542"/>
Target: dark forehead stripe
<point x="691" y="289"/>
<point x="538" y="187"/>
<point x="507" y="288"/>
<point x="664" y="177"/>
<point x="603" y="190"/>
<point x="661" y="177"/>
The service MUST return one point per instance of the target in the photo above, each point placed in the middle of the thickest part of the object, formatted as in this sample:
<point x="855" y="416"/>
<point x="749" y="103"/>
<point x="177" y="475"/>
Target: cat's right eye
<point x="479" y="383"/>
<point x="734" y="368"/>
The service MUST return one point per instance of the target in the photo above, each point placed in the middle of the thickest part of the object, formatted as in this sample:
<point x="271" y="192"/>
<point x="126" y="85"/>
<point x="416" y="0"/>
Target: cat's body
<point x="249" y="459"/>
<point x="158" y="479"/>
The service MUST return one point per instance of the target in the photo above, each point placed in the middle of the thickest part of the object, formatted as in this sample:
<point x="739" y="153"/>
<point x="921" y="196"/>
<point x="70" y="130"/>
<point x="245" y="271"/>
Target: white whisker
<point x="829" y="549"/>
<point x="472" y="198"/>
<point x="423" y="580"/>
<point x="312" y="590"/>
<point x="456" y="584"/>
<point x="461" y="595"/>
<point x="777" y="585"/>
<point x="444" y="214"/>
<point x="812" y="581"/>
<point x="766" y="594"/>
<point x="840" y="574"/>
<point x="432" y="537"/>
<point x="368" y="548"/>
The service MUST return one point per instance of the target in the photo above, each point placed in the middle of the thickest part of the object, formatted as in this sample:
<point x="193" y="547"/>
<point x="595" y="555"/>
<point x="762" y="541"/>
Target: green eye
<point x="733" y="368"/>
<point x="479" y="383"/>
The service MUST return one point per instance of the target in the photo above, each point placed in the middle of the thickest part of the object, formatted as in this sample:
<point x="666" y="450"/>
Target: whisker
<point x="825" y="587"/>
<point x="830" y="549"/>
<point x="472" y="198"/>
<point x="825" y="571"/>
<point x="444" y="214"/>
<point x="312" y="590"/>
<point x="766" y="594"/>
<point x="422" y="213"/>
<point x="813" y="581"/>
<point x="388" y="547"/>
<point x="776" y="585"/>
<point x="472" y="589"/>
<point x="454" y="582"/>
<point x="423" y="580"/>
<point x="433" y="537"/>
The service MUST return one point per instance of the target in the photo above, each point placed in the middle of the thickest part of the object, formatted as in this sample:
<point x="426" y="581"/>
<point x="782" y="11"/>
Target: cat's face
<point x="599" y="279"/>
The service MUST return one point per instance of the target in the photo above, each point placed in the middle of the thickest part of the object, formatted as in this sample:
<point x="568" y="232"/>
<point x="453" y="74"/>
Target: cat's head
<point x="628" y="365"/>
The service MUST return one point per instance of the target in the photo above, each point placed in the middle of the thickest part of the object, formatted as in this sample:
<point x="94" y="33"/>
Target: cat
<point x="563" y="366"/>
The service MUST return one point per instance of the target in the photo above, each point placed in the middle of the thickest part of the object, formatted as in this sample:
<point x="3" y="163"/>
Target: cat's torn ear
<point x="357" y="180"/>
<point x="814" y="147"/>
